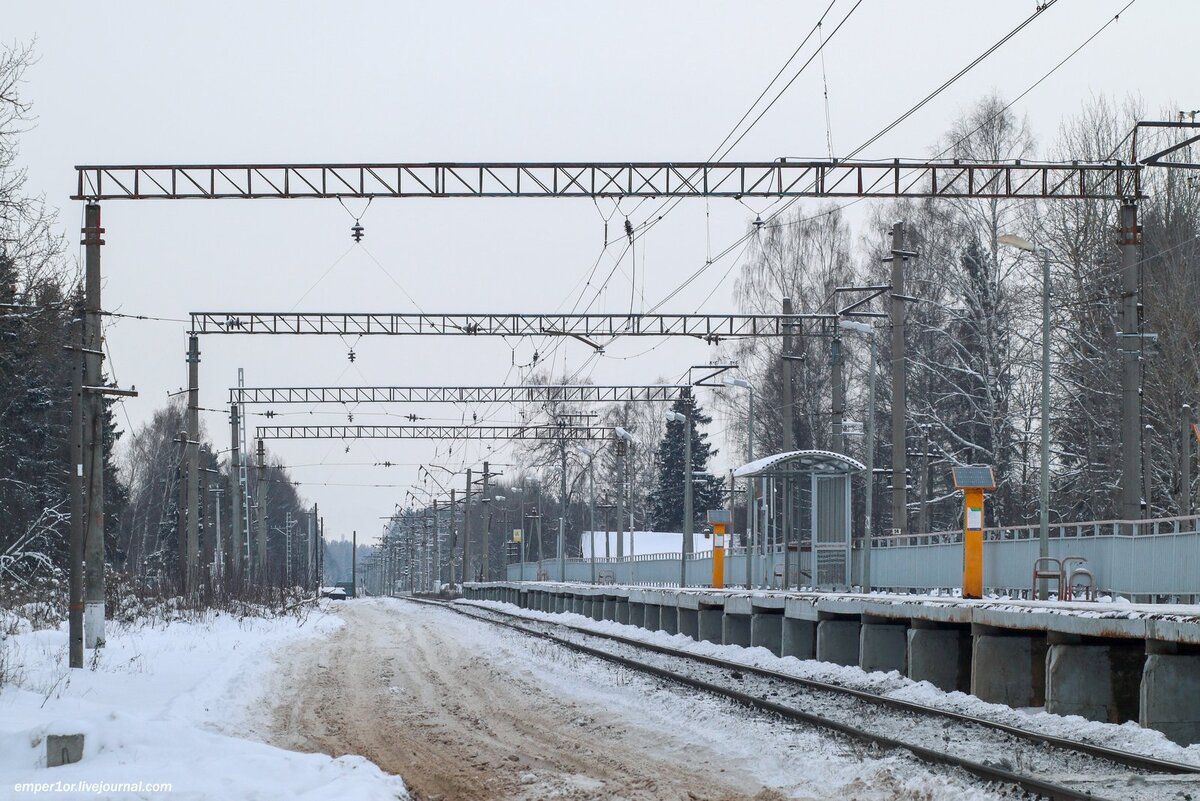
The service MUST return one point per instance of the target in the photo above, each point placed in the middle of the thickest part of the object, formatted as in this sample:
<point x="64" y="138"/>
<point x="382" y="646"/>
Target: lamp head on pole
<point x="1018" y="242"/>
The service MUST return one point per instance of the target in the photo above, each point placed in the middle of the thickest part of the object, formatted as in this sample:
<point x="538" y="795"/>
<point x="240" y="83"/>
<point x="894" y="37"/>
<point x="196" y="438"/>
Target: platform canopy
<point x="810" y="461"/>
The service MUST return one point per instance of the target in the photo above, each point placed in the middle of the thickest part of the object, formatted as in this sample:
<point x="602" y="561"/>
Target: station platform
<point x="1107" y="661"/>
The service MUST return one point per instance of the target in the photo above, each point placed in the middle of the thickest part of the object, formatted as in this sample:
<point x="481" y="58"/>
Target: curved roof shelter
<point x="792" y="462"/>
<point x="804" y="504"/>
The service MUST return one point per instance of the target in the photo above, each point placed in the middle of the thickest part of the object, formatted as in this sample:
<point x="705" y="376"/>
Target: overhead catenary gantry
<point x="569" y="433"/>
<point x="895" y="178"/>
<point x="709" y="327"/>
<point x="780" y="178"/>
<point x="533" y="393"/>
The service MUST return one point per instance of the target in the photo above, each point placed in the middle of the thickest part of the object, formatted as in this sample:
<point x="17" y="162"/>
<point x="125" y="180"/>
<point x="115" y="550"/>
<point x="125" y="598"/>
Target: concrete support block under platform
<point x="709" y="624"/>
<point x="882" y="647"/>
<point x="766" y="631"/>
<point x="941" y="657"/>
<point x="608" y="608"/>
<point x="621" y="609"/>
<point x="689" y="622"/>
<point x="653" y="616"/>
<point x="596" y="612"/>
<point x="637" y="614"/>
<point x="799" y="638"/>
<point x="735" y="630"/>
<point x="668" y="619"/>
<point x="1009" y="670"/>
<point x="1170" y="696"/>
<point x="837" y="641"/>
<point x="1098" y="682"/>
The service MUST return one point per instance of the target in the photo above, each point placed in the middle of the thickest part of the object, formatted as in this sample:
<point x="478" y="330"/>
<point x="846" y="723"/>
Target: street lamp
<point x="686" y="545"/>
<point x="751" y="516"/>
<point x="868" y="447"/>
<point x="1021" y="243"/>
<point x="627" y="442"/>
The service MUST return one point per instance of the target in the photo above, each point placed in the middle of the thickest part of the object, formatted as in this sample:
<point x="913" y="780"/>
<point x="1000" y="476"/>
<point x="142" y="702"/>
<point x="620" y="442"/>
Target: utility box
<point x="63" y="749"/>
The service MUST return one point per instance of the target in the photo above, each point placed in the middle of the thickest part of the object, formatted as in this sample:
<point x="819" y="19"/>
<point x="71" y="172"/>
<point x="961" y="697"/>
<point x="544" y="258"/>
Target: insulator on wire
<point x="357" y="231"/>
<point x="629" y="229"/>
<point x="758" y="222"/>
<point x="351" y="356"/>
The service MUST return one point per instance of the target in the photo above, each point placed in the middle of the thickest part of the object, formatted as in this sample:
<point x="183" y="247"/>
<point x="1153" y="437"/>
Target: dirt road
<point x="464" y="711"/>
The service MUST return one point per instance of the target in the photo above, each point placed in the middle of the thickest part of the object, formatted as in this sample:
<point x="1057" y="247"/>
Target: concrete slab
<point x="799" y="638"/>
<point x="837" y="641"/>
<point x="1097" y="682"/>
<point x="940" y="656"/>
<point x="882" y="647"/>
<point x="1170" y="696"/>
<point x="689" y="622"/>
<point x="766" y="631"/>
<point x="735" y="629"/>
<point x="1009" y="669"/>
<point x="709" y="624"/>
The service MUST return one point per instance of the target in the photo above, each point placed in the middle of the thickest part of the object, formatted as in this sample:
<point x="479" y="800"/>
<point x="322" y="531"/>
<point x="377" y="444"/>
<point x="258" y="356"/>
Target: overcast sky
<point x="155" y="82"/>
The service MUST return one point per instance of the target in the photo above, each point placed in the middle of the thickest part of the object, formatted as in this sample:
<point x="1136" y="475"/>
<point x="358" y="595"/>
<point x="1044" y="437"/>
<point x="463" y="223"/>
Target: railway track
<point x="1041" y="765"/>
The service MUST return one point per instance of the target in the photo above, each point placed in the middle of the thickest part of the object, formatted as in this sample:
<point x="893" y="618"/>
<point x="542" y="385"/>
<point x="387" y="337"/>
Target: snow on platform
<point x="164" y="704"/>
<point x="1107" y="617"/>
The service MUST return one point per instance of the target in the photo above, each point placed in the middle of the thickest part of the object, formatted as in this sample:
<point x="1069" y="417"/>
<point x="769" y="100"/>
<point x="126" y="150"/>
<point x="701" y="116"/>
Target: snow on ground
<point x="1126" y="736"/>
<point x="163" y="704"/>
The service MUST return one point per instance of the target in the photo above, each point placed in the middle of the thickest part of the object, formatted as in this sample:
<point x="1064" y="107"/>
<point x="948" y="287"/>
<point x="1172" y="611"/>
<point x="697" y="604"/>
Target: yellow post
<point x="973" y="543"/>
<point x="718" y="574"/>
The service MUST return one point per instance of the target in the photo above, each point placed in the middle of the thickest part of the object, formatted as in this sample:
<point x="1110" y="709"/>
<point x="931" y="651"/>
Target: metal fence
<point x="1145" y="560"/>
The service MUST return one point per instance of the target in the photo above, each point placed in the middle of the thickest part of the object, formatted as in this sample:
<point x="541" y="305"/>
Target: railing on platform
<point x="1143" y="560"/>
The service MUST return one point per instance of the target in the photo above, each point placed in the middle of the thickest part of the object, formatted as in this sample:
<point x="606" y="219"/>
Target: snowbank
<point x="163" y="706"/>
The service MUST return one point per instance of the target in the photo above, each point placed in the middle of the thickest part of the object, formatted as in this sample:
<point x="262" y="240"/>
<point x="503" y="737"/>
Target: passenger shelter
<point x="803" y="518"/>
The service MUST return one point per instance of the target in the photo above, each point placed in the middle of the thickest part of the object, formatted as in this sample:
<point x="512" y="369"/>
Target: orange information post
<point x="719" y="520"/>
<point x="973" y="480"/>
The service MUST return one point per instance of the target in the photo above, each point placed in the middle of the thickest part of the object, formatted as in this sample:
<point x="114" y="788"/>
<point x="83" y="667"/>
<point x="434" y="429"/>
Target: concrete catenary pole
<point x="235" y="494"/>
<point x="838" y="394"/>
<point x="1131" y="366"/>
<point x="181" y="514"/>
<point x="486" y="568"/>
<point x="193" y="460"/>
<point x="75" y="465"/>
<point x="260" y="498"/>
<point x="93" y="422"/>
<point x="354" y="562"/>
<point x="789" y="404"/>
<point x="562" y="509"/>
<point x="467" y="574"/>
<point x="1044" y="489"/>
<point x="208" y="549"/>
<point x="453" y="538"/>
<point x="899" y="258"/>
<point x="623" y="479"/>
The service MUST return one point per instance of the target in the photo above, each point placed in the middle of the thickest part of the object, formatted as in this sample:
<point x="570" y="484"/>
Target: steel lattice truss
<point x="710" y="327"/>
<point x="530" y="432"/>
<point x="771" y="179"/>
<point x="546" y="393"/>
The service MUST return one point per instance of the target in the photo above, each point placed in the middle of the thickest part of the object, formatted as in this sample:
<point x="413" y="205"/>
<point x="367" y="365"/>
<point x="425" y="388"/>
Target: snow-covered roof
<point x="810" y="461"/>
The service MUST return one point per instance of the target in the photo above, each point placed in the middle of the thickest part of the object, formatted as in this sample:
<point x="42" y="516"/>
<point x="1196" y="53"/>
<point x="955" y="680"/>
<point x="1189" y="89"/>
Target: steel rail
<point x="1140" y="761"/>
<point x="1031" y="784"/>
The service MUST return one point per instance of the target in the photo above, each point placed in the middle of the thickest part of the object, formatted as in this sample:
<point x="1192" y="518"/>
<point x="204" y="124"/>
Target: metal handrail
<point x="1094" y="528"/>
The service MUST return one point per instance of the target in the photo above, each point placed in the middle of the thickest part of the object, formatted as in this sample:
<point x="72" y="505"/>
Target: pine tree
<point x="667" y="496"/>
